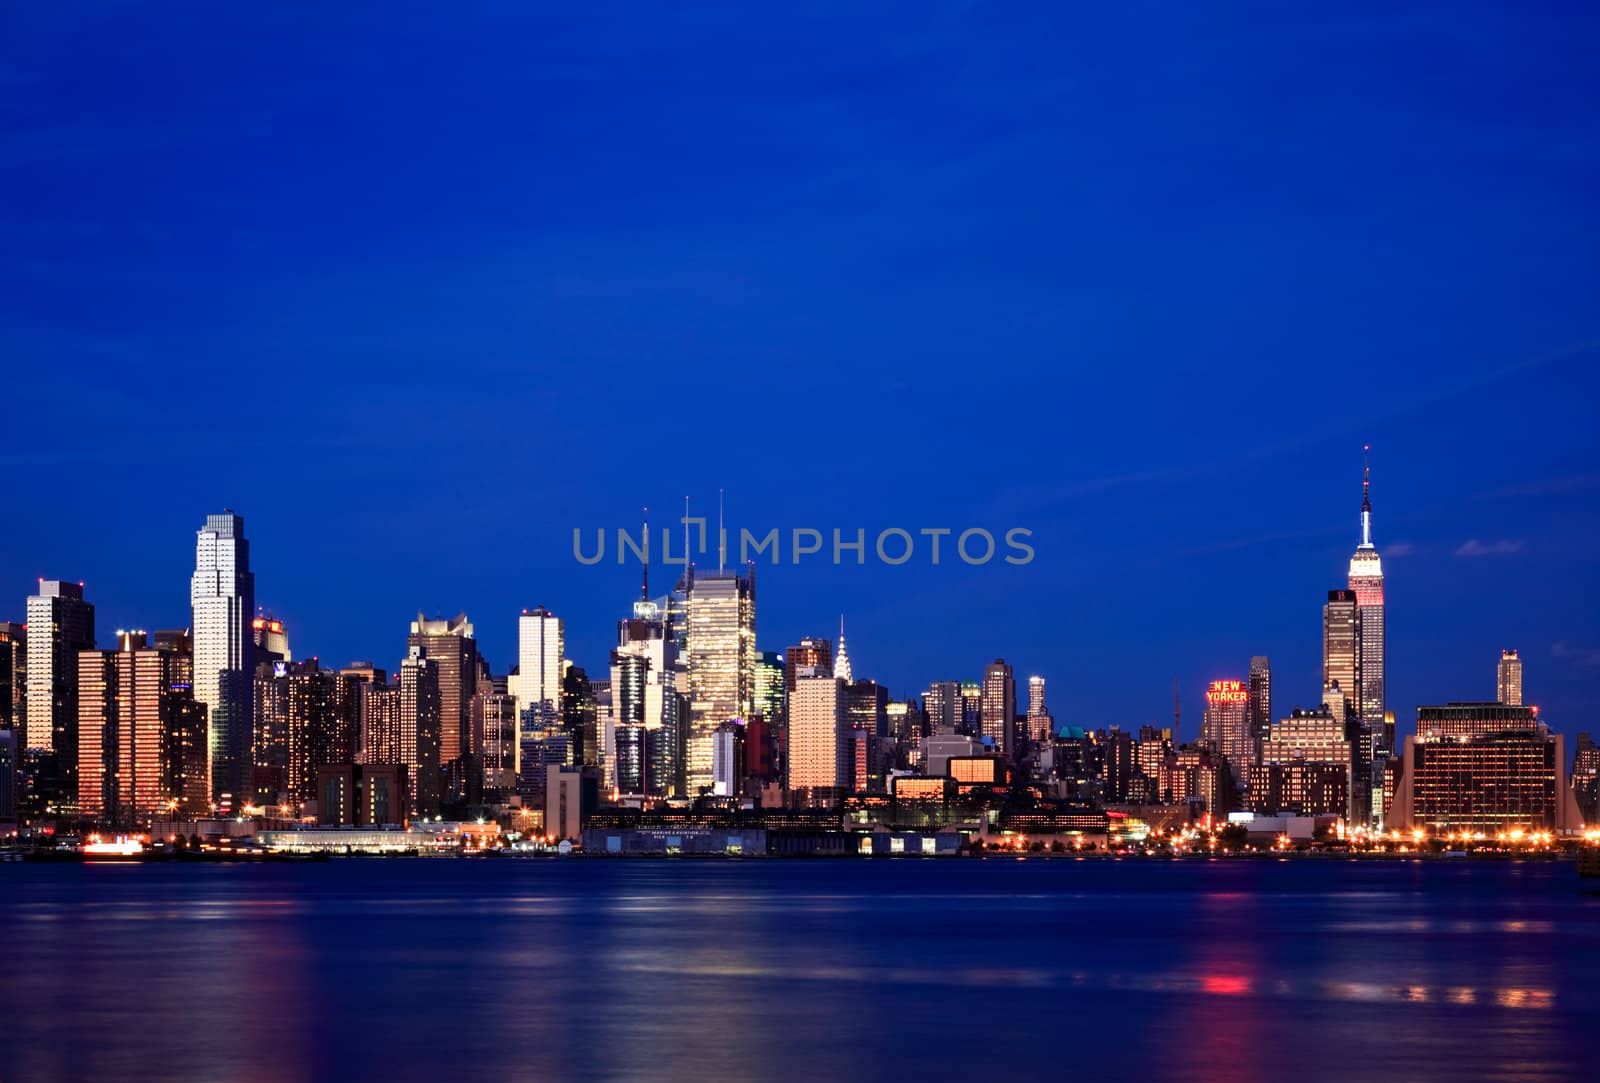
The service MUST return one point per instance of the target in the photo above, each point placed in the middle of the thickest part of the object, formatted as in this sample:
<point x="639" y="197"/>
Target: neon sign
<point x="1227" y="692"/>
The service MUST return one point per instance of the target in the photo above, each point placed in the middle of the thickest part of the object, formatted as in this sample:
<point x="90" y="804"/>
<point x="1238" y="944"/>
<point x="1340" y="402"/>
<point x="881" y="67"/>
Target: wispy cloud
<point x="1499" y="547"/>
<point x="1401" y="549"/>
<point x="1584" y="657"/>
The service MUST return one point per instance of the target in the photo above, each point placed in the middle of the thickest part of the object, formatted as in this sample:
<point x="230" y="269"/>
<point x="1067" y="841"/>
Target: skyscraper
<point x="13" y="675"/>
<point x="450" y="644"/>
<point x="722" y="662"/>
<point x="1510" y="679"/>
<point x="60" y="625"/>
<point x="1225" y="726"/>
<point x="818" y="736"/>
<point x="1341" y="646"/>
<point x="141" y="749"/>
<point x="1039" y="720"/>
<point x="537" y="682"/>
<point x="841" y="662"/>
<point x="1260" y="698"/>
<point x="222" y="597"/>
<point x="971" y="715"/>
<point x="998" y="707"/>
<point x="942" y="704"/>
<point x="418" y="714"/>
<point x="810" y="653"/>
<point x="1366" y="583"/>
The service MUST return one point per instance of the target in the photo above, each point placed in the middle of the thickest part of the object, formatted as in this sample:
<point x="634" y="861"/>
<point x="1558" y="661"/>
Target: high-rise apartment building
<point x="1509" y="679"/>
<point x="418" y="716"/>
<point x="222" y="599"/>
<point x="722" y="663"/>
<point x="1039" y="721"/>
<point x="60" y="626"/>
<point x="141" y="752"/>
<point x="998" y="707"/>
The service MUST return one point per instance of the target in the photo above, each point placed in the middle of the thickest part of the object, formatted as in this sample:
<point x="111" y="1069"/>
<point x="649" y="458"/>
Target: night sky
<point x="418" y="293"/>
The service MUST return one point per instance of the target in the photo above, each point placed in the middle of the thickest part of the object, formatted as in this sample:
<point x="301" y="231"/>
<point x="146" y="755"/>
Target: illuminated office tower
<point x="867" y="707"/>
<point x="998" y="706"/>
<point x="1225" y="726"/>
<point x="818" y="736"/>
<point x="1039" y="721"/>
<point x="1510" y="679"/>
<point x="450" y="644"/>
<point x="580" y="717"/>
<point x="1341" y="646"/>
<point x="971" y="693"/>
<point x="772" y="704"/>
<point x="727" y="760"/>
<point x="942" y="705"/>
<point x="1366" y="583"/>
<point x="810" y="653"/>
<point x="141" y="750"/>
<point x="13" y="676"/>
<point x="60" y="625"/>
<point x="722" y="663"/>
<point x="222" y="598"/>
<point x="541" y="645"/>
<point x="646" y="709"/>
<point x="1260" y="701"/>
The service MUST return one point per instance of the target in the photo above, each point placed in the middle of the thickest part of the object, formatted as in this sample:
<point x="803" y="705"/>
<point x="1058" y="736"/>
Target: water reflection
<point x="790" y="970"/>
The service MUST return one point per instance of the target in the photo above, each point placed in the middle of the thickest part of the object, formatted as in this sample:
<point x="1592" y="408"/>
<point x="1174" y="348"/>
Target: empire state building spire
<point x="1366" y="498"/>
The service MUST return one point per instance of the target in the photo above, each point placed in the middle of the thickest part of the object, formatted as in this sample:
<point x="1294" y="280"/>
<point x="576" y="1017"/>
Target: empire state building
<point x="1366" y="581"/>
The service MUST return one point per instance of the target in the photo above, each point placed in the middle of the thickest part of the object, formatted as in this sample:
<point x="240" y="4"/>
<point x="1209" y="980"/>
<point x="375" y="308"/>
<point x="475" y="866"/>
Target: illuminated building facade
<point x="867" y="705"/>
<point x="1341" y="646"/>
<point x="942" y="704"/>
<point x="13" y="675"/>
<point x="1483" y="767"/>
<point x="451" y="646"/>
<point x="493" y="737"/>
<point x="1039" y="723"/>
<point x="141" y="751"/>
<point x="971" y="722"/>
<point x="764" y="748"/>
<point x="722" y="663"/>
<point x="1225" y="726"/>
<point x="1299" y="788"/>
<point x="60" y="626"/>
<point x="819" y="732"/>
<point x="998" y="707"/>
<point x="1509" y="679"/>
<point x="811" y="653"/>
<point x="418" y="718"/>
<point x="222" y="600"/>
<point x="1260" y="701"/>
<point x="646" y="696"/>
<point x="537" y="683"/>
<point x="1366" y="583"/>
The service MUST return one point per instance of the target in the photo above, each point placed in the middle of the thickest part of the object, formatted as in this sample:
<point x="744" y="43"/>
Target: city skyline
<point x="1293" y="690"/>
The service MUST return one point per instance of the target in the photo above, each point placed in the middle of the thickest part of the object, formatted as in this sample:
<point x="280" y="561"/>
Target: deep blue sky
<point x="417" y="293"/>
